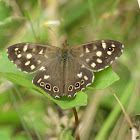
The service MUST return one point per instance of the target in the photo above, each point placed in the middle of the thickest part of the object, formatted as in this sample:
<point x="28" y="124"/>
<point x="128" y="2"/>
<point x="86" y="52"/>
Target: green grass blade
<point x="20" y="115"/>
<point x="27" y="15"/>
<point x="110" y="122"/>
<point x="22" y="102"/>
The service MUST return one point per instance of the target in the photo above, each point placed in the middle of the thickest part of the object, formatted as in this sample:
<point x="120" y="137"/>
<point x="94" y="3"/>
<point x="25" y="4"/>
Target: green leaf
<point x="104" y="79"/>
<point x="10" y="72"/>
<point x="64" y="103"/>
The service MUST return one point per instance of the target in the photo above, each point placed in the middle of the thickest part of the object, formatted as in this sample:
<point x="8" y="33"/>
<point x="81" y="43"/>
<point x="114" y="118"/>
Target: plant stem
<point x="77" y="137"/>
<point x="126" y="115"/>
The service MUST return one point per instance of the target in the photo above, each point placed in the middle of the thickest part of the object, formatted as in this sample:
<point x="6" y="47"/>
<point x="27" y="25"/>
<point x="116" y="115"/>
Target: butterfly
<point x="64" y="70"/>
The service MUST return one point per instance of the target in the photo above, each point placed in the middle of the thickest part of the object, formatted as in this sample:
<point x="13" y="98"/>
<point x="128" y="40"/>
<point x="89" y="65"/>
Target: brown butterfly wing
<point x="99" y="54"/>
<point x="29" y="57"/>
<point x="77" y="77"/>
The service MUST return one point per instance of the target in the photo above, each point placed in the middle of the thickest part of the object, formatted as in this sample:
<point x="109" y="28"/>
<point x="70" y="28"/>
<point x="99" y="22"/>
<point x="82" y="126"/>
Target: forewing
<point x="51" y="78"/>
<point x="29" y="57"/>
<point x="77" y="77"/>
<point x="97" y="55"/>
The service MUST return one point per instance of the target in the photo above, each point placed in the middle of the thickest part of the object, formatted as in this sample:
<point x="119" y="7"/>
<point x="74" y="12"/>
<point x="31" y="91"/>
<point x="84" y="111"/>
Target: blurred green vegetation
<point x="26" y="114"/>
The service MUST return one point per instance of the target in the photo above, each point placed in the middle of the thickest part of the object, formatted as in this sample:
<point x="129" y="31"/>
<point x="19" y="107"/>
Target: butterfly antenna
<point x="75" y="34"/>
<point x="54" y="33"/>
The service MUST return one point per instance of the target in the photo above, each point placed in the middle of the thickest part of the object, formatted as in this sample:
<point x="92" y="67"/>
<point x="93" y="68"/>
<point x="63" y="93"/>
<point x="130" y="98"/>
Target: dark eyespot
<point x="110" y="49"/>
<point x="18" y="52"/>
<point x="77" y="85"/>
<point x="82" y="82"/>
<point x="42" y="84"/>
<point x="55" y="89"/>
<point x="48" y="86"/>
<point x="70" y="88"/>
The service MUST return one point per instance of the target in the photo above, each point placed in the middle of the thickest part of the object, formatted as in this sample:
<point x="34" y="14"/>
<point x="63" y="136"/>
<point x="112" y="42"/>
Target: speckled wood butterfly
<point x="64" y="70"/>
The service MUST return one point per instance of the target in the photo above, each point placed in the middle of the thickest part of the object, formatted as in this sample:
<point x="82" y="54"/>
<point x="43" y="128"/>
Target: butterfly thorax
<point x="65" y="50"/>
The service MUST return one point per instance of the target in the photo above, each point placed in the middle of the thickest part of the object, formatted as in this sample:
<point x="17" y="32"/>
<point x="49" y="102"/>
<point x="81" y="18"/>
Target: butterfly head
<point x="65" y="49"/>
<point x="65" y="45"/>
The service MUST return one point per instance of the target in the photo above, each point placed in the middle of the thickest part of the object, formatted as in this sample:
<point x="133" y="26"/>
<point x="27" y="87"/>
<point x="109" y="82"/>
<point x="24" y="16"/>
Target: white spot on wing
<point x="46" y="77"/>
<point x="113" y="45"/>
<point x="38" y="61"/>
<point x="86" y="78"/>
<point x="28" y="56"/>
<point x="42" y="68"/>
<point x="16" y="49"/>
<point x="104" y="45"/>
<point x="99" y="60"/>
<point x="27" y="63"/>
<point x="109" y="52"/>
<point x="93" y="65"/>
<point x="41" y="52"/>
<point x="19" y="56"/>
<point x="81" y="55"/>
<point x="82" y="66"/>
<point x="79" y="75"/>
<point x="87" y="50"/>
<point x="39" y="80"/>
<point x="94" y="47"/>
<point x="46" y="56"/>
<point x="34" y="50"/>
<point x="87" y="60"/>
<point x="32" y="67"/>
<point x="111" y="62"/>
<point x="99" y="53"/>
<point x="25" y="48"/>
